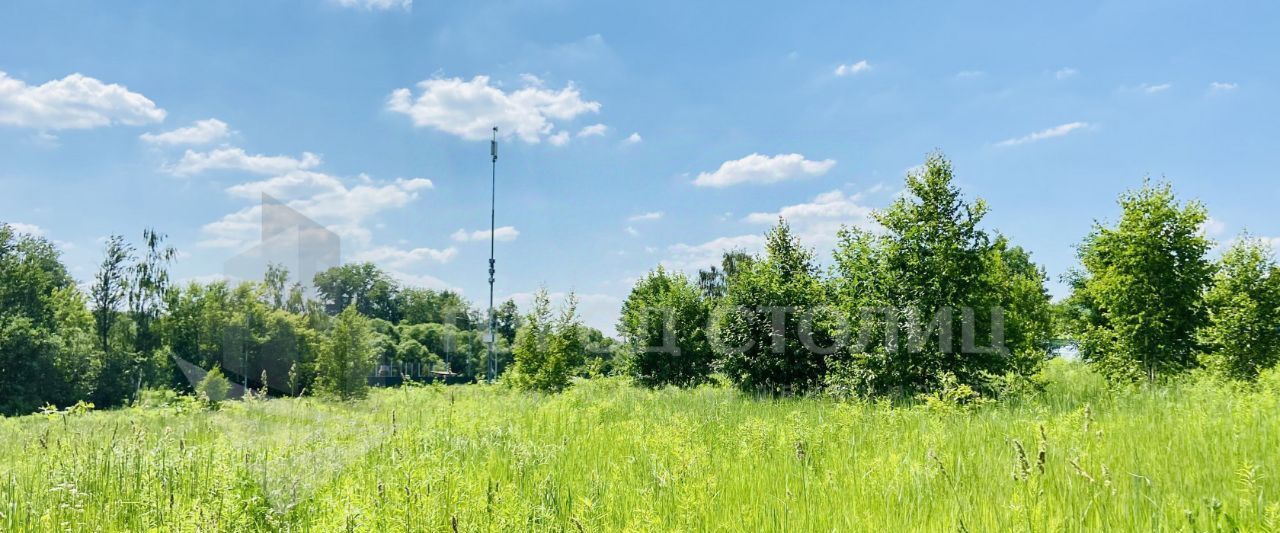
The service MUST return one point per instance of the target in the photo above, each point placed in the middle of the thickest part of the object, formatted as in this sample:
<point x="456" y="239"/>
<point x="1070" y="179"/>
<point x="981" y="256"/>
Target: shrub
<point x="214" y="387"/>
<point x="548" y="352"/>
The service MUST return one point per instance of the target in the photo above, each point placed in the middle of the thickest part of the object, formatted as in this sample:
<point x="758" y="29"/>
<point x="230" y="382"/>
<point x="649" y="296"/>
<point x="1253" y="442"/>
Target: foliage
<point x="663" y="325"/>
<point x="369" y="289"/>
<point x="1242" y="333"/>
<point x="47" y="352"/>
<point x="347" y="358"/>
<point x="909" y="289"/>
<point x="1138" y="302"/>
<point x="548" y="351"/>
<point x="772" y="329"/>
<point x="214" y="387"/>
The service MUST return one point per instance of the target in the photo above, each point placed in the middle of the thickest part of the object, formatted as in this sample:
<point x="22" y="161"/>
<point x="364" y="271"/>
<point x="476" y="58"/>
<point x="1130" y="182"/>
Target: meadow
<point x="1192" y="455"/>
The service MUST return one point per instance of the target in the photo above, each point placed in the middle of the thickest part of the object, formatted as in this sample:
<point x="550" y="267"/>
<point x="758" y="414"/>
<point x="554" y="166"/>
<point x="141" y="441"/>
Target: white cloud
<point x="652" y="215"/>
<point x="1221" y="87"/>
<point x="202" y="132"/>
<point x="1065" y="72"/>
<point x="632" y="231"/>
<point x="691" y="257"/>
<point x="376" y="5"/>
<point x="29" y="229"/>
<point x="832" y="204"/>
<point x="423" y="281"/>
<point x="73" y="102"/>
<point x="470" y="109"/>
<point x="1213" y="227"/>
<point x="504" y="234"/>
<point x="1056" y="131"/>
<point x="970" y="74"/>
<point x="231" y="158"/>
<point x="342" y="208"/>
<point x="634" y="138"/>
<point x="817" y="222"/>
<point x="559" y="139"/>
<point x="593" y="130"/>
<point x="756" y="168"/>
<point x="853" y="68"/>
<point x="400" y="258"/>
<point x="1150" y="88"/>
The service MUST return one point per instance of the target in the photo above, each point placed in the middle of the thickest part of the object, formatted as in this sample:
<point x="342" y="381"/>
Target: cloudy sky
<point x="632" y="134"/>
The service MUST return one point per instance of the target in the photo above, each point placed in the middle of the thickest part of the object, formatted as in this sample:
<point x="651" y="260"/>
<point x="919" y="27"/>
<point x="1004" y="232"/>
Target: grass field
<point x="606" y="456"/>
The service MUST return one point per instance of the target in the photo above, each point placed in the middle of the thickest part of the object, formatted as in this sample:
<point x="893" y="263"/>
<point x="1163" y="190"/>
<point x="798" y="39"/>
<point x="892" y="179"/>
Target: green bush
<point x="663" y="324"/>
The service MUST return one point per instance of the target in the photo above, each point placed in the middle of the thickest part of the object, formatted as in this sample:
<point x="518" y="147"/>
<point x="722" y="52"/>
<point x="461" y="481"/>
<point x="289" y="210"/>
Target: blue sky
<point x="633" y="133"/>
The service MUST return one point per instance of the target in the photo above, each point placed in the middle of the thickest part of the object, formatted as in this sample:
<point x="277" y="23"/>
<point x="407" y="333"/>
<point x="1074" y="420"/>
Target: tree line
<point x="930" y="302"/>
<point x="133" y="330"/>
<point x="927" y="302"/>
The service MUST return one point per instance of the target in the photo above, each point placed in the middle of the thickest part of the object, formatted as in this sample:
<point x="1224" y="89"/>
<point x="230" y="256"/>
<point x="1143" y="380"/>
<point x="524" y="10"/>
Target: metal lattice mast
<point x="493" y="202"/>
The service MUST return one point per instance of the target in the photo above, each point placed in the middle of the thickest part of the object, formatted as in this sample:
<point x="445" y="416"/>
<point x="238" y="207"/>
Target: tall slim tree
<point x="110" y="287"/>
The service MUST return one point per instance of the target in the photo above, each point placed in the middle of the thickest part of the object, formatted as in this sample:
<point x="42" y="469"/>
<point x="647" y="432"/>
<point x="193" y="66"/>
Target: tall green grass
<point x="1192" y="456"/>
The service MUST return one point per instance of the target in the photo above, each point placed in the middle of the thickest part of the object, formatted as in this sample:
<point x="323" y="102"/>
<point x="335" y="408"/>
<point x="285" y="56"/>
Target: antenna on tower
<point x="493" y="202"/>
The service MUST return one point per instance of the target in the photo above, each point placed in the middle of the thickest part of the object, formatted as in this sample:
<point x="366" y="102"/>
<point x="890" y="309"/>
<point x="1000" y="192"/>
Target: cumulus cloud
<point x="1065" y="72"/>
<point x="470" y="109"/>
<point x="504" y="233"/>
<point x="817" y="222"/>
<point x="376" y="5"/>
<point x="329" y="200"/>
<point x="232" y="158"/>
<point x="756" y="168"/>
<point x="401" y="258"/>
<point x="559" y="139"/>
<point x="593" y="130"/>
<point x="853" y="68"/>
<point x="1056" y="131"/>
<point x="73" y="102"/>
<point x="29" y="229"/>
<point x="202" y="132"/>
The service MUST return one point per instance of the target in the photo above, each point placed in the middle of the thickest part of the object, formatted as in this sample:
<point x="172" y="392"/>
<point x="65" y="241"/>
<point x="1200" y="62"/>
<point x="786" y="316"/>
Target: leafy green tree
<point x="773" y="328"/>
<point x="364" y="285"/>
<point x="347" y="359"/>
<point x="110" y="288"/>
<point x="1242" y="335"/>
<point x="47" y="352"/>
<point x="548" y="350"/>
<point x="714" y="280"/>
<point x="933" y="272"/>
<point x="663" y="325"/>
<point x="1139" y="300"/>
<point x="148" y="285"/>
